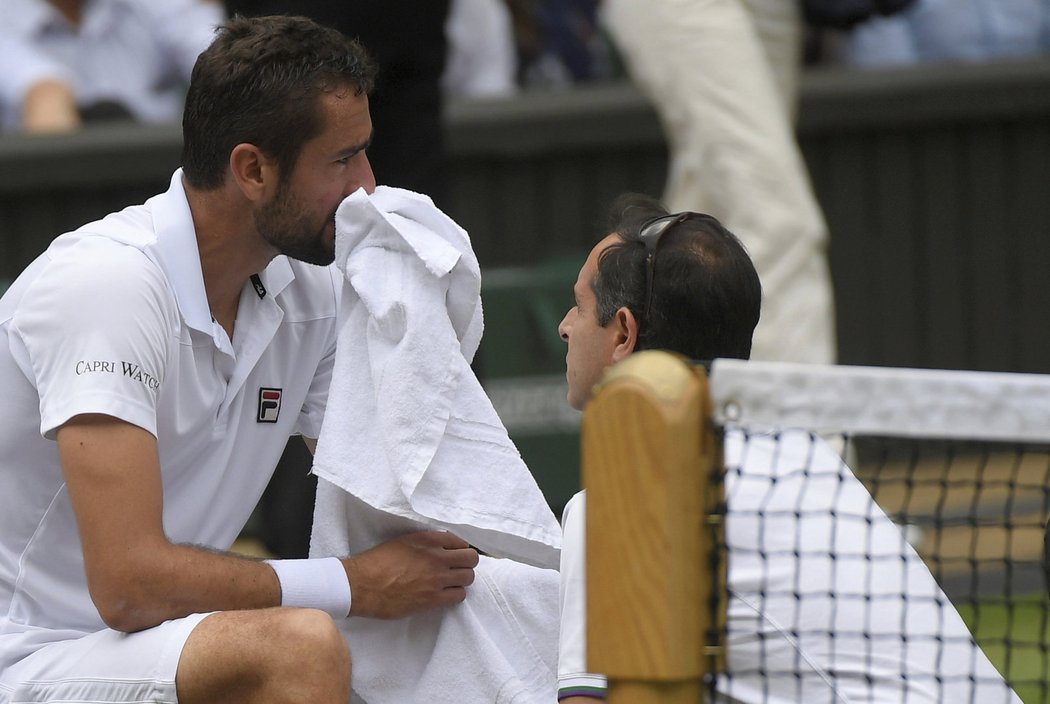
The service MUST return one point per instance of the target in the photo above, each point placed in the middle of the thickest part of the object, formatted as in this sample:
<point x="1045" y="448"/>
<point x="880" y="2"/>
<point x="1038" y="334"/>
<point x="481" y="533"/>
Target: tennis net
<point x="817" y="533"/>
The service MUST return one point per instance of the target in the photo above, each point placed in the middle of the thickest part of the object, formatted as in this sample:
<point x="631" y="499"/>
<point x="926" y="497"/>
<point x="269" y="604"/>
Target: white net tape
<point x="916" y="403"/>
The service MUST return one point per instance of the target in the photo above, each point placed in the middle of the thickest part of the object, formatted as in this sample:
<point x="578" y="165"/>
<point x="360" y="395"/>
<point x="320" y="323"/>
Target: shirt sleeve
<point x="96" y="328"/>
<point x="573" y="678"/>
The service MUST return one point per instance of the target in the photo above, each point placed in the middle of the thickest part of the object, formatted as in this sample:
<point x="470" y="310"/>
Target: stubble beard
<point x="284" y="224"/>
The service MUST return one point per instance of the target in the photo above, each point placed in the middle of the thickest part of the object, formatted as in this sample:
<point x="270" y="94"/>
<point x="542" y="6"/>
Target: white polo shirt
<point x="113" y="319"/>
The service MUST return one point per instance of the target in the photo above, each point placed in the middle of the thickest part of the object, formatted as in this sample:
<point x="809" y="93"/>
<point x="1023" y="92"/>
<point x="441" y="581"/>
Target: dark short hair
<point x="258" y="83"/>
<point x="706" y="296"/>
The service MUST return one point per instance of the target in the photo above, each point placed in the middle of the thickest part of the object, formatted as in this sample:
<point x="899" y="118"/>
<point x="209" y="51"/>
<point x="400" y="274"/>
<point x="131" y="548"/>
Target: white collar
<point x="180" y="257"/>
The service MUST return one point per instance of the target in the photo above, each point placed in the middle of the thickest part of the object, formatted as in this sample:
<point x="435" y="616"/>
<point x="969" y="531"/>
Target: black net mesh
<point x="883" y="569"/>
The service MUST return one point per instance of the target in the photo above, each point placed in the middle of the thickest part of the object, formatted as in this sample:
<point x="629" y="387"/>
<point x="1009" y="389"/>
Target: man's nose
<point x="361" y="177"/>
<point x="563" y="328"/>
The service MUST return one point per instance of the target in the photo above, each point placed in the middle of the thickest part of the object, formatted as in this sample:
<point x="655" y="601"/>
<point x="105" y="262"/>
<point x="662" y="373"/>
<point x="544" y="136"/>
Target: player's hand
<point x="411" y="573"/>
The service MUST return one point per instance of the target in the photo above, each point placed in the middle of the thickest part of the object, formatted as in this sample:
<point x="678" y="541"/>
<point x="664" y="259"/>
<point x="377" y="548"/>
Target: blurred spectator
<point x="560" y="42"/>
<point x="66" y="62"/>
<point x="949" y="30"/>
<point x="723" y="77"/>
<point x="482" y="62"/>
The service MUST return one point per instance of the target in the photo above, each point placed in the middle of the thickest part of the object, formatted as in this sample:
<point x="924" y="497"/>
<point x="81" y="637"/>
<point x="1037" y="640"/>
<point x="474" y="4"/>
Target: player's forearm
<point x="172" y="581"/>
<point x="150" y="580"/>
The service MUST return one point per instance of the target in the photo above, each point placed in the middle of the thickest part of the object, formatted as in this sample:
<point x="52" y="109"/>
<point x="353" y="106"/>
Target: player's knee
<point x="313" y="639"/>
<point x="272" y="655"/>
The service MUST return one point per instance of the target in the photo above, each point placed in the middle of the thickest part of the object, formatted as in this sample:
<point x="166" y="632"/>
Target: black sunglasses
<point x="650" y="234"/>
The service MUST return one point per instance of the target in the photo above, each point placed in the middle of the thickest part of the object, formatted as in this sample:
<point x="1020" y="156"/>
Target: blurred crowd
<point x="70" y="62"/>
<point x="941" y="31"/>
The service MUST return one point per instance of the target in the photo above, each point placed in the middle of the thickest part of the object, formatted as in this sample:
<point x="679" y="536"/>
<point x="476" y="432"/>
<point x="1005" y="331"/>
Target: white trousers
<point x="723" y="77"/>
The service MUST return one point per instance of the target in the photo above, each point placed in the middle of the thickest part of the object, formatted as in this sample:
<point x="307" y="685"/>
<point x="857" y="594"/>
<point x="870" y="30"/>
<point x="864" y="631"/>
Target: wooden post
<point x="647" y="455"/>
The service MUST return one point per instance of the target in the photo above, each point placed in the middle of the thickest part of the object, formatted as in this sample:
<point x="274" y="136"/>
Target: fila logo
<point x="260" y="290"/>
<point x="269" y="405"/>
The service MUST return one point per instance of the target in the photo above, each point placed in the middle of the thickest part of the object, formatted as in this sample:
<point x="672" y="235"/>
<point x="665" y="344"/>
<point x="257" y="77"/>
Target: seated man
<point x="827" y="602"/>
<point x="154" y="364"/>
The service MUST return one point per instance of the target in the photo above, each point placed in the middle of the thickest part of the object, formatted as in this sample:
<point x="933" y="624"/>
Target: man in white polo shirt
<point x="154" y="364"/>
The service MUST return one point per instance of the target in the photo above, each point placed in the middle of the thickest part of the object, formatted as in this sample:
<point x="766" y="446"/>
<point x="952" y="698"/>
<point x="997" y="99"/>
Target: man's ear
<point x="254" y="173"/>
<point x="626" y="333"/>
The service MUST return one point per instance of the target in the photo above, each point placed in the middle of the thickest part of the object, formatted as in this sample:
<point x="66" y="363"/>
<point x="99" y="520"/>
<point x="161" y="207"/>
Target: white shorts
<point x="108" y="666"/>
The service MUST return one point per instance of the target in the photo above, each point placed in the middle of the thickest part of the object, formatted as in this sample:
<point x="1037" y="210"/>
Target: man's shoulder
<point x="22" y="18"/>
<point x="577" y="502"/>
<point x="117" y="253"/>
<point x="133" y="227"/>
<point x="575" y="509"/>
<point x="93" y="269"/>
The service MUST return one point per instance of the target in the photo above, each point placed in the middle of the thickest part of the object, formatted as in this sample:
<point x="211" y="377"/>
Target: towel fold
<point x="409" y="429"/>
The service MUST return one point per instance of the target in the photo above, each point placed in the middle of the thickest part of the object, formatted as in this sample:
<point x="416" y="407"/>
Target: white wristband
<point x="315" y="584"/>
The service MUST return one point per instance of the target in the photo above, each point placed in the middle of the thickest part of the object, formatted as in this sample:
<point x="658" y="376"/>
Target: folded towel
<point x="411" y="441"/>
<point x="499" y="646"/>
<point x="409" y="429"/>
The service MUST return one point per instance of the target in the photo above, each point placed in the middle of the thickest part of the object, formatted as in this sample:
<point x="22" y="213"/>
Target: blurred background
<point x="923" y="128"/>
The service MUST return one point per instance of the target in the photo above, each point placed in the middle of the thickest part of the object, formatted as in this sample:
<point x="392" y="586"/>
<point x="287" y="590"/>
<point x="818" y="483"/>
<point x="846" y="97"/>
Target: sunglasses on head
<point x="650" y="234"/>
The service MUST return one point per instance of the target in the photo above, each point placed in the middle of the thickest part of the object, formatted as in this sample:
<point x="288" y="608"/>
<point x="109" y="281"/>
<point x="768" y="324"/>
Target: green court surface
<point x="1016" y="638"/>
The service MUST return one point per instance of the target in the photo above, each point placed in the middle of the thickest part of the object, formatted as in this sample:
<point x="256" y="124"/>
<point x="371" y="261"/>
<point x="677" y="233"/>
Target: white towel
<point x="409" y="429"/>
<point x="411" y="441"/>
<point x="500" y="646"/>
